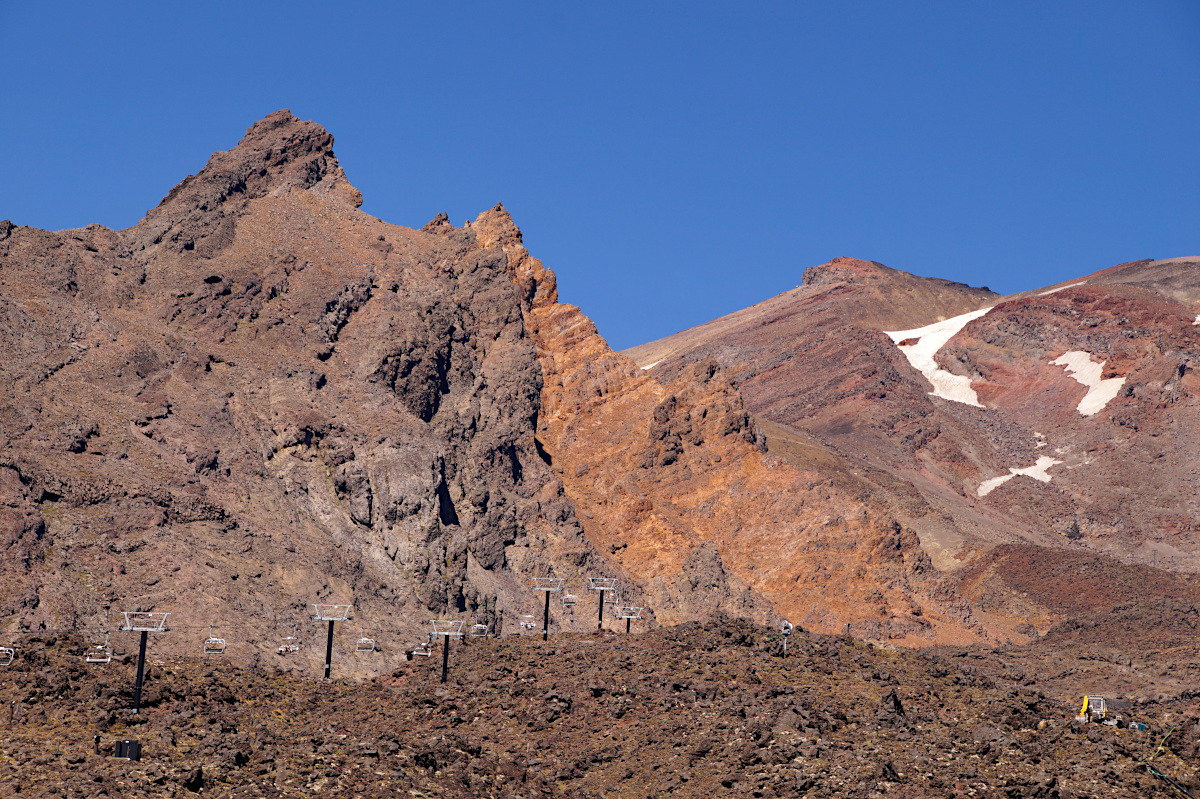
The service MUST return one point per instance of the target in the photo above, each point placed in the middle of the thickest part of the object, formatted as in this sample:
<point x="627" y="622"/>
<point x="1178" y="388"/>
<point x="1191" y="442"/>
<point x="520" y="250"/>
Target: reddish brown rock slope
<point x="830" y="387"/>
<point x="669" y="478"/>
<point x="259" y="398"/>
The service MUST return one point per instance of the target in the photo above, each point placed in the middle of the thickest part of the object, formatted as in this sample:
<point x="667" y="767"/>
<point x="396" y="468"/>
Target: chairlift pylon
<point x="289" y="643"/>
<point x="212" y="644"/>
<point x="7" y="653"/>
<point x="365" y="644"/>
<point x="607" y="586"/>
<point x="446" y="629"/>
<point x="101" y="653"/>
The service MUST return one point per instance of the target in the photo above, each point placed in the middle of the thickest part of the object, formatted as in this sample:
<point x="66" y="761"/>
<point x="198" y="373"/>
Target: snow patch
<point x="1037" y="471"/>
<point x="651" y="365"/>
<point x="1083" y="370"/>
<point x="930" y="339"/>
<point x="1197" y="322"/>
<point x="1060" y="288"/>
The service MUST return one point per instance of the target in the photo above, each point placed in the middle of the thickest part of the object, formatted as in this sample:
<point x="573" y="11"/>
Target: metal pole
<point x="137" y="686"/>
<point x="627" y="620"/>
<point x="445" y="655"/>
<point x="600" y="623"/>
<point x="329" y="649"/>
<point x="546" y="619"/>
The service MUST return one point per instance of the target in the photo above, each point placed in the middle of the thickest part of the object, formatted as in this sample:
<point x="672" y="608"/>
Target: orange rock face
<point x="672" y="480"/>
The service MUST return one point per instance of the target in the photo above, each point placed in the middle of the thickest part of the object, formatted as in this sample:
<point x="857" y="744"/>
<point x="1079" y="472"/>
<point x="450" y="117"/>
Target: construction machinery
<point x="1094" y="709"/>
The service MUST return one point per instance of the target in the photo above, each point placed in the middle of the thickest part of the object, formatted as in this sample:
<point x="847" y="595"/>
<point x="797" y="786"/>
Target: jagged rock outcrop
<point x="667" y="475"/>
<point x="260" y="397"/>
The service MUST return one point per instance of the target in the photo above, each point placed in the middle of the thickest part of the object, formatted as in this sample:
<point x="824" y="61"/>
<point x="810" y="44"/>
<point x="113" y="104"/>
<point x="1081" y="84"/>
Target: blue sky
<point x="670" y="161"/>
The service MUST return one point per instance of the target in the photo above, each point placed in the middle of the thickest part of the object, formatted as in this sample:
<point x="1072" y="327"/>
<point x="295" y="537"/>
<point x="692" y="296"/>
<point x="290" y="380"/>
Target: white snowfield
<point x="1060" y="288"/>
<point x="1085" y="371"/>
<point x="1037" y="471"/>
<point x="1197" y="322"/>
<point x="651" y="365"/>
<point x="929" y="340"/>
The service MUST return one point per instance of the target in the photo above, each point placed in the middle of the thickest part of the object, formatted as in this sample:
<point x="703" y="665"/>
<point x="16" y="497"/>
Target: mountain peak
<point x="278" y="152"/>
<point x="283" y="118"/>
<point x="495" y="228"/>
<point x="845" y="270"/>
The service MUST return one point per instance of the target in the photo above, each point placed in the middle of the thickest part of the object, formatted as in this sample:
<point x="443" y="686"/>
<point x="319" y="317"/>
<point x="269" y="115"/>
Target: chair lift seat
<point x="212" y="644"/>
<point x="99" y="654"/>
<point x="365" y="645"/>
<point x="479" y="631"/>
<point x="289" y="643"/>
<point x="423" y="649"/>
<point x="7" y="653"/>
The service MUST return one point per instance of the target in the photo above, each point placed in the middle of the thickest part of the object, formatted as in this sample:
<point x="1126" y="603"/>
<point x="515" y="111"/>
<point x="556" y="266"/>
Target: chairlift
<point x="212" y="644"/>
<point x="479" y="631"/>
<point x="289" y="643"/>
<point x="425" y="648"/>
<point x="607" y="584"/>
<point x="451" y="628"/>
<point x="610" y="597"/>
<point x="332" y="612"/>
<point x="101" y="653"/>
<point x="570" y="599"/>
<point x="365" y="644"/>
<point x="145" y="622"/>
<point x="527" y="623"/>
<point x="7" y="653"/>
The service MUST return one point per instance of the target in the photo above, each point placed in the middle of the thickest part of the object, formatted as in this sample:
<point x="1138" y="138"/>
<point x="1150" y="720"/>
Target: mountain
<point x="1012" y="434"/>
<point x="259" y="398"/>
<point x="670" y="479"/>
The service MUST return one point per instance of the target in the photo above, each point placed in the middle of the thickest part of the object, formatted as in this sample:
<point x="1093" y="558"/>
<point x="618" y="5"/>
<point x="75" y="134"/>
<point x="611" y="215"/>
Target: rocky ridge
<point x="828" y="385"/>
<point x="260" y="397"/>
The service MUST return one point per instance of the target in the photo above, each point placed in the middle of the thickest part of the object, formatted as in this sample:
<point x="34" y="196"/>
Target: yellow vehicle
<point x="1094" y="709"/>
